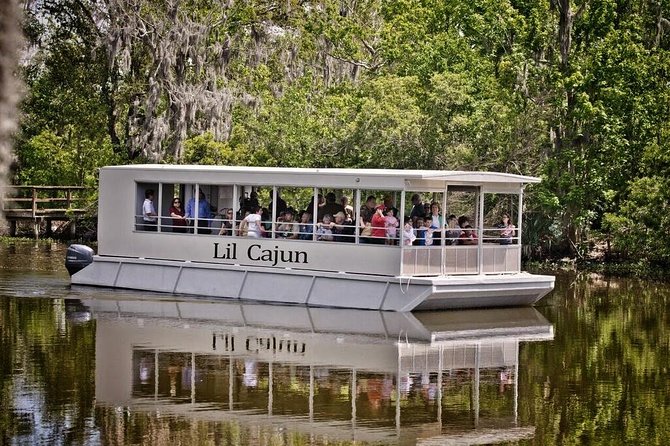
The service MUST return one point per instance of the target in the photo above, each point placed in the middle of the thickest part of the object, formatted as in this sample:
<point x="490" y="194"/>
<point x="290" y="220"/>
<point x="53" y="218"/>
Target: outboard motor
<point x="78" y="257"/>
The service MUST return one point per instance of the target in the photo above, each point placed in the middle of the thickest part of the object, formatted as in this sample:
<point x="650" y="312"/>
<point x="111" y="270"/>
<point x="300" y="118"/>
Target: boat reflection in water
<point x="335" y="374"/>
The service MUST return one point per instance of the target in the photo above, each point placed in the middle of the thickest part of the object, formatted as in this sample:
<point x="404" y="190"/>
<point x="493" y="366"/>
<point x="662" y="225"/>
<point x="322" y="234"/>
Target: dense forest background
<point x="576" y="92"/>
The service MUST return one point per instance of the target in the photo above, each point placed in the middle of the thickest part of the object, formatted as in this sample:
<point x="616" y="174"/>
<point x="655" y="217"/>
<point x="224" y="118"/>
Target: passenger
<point x="227" y="222"/>
<point x="368" y="208"/>
<point x="280" y="206"/>
<point x="378" y="226"/>
<point x="323" y="231"/>
<point x="420" y="231"/>
<point x="320" y="203"/>
<point x="266" y="223"/>
<point x="463" y="220"/>
<point x="408" y="235"/>
<point x="342" y="231"/>
<point x="417" y="208"/>
<point x="149" y="216"/>
<point x="331" y="207"/>
<point x="468" y="236"/>
<point x="254" y="228"/>
<point x="507" y="230"/>
<point x="179" y="221"/>
<point x="453" y="230"/>
<point x="305" y="226"/>
<point x="253" y="200"/>
<point x="429" y="231"/>
<point x="288" y="228"/>
<point x="348" y="209"/>
<point x="391" y="223"/>
<point x="203" y="212"/>
<point x="389" y="203"/>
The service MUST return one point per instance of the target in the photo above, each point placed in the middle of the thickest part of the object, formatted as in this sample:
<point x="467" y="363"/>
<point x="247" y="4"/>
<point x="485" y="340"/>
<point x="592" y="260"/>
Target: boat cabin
<point x="399" y="223"/>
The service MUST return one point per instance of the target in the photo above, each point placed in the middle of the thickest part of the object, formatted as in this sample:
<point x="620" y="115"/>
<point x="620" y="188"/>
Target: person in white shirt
<point x="149" y="215"/>
<point x="253" y="223"/>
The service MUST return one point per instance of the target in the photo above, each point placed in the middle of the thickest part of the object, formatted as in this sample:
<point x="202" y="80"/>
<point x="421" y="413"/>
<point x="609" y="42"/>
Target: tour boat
<point x="447" y="377"/>
<point x="357" y="258"/>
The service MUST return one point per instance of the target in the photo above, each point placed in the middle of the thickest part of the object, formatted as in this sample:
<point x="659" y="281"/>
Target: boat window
<point x="146" y="203"/>
<point x="172" y="218"/>
<point x="462" y="202"/>
<point x="501" y="218"/>
<point x="424" y="211"/>
<point x="293" y="220"/>
<point x="201" y="207"/>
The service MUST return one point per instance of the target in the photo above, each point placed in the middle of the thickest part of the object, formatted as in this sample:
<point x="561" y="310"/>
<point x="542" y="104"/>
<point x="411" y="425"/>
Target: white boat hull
<point x="316" y="288"/>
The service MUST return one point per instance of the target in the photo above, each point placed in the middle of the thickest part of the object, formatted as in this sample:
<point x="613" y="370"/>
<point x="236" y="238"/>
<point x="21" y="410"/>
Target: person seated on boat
<point x="420" y="231"/>
<point x="289" y="227"/>
<point x="251" y="224"/>
<point x="507" y="230"/>
<point x="453" y="230"/>
<point x="391" y="223"/>
<point x="368" y="208"/>
<point x="348" y="209"/>
<point x="227" y="222"/>
<point x="427" y="231"/>
<point x="323" y="231"/>
<point x="203" y="212"/>
<point x="149" y="216"/>
<point x="462" y="221"/>
<point x="378" y="226"/>
<point x="342" y="231"/>
<point x="179" y="221"/>
<point x="408" y="235"/>
<point x="331" y="207"/>
<point x="417" y="208"/>
<point x="468" y="235"/>
<point x="305" y="229"/>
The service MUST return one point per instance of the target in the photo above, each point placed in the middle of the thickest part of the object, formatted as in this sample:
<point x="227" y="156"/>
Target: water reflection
<point x="325" y="375"/>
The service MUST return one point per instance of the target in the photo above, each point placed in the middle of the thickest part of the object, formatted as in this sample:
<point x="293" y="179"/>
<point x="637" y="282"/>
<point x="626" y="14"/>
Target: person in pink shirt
<point x="392" y="224"/>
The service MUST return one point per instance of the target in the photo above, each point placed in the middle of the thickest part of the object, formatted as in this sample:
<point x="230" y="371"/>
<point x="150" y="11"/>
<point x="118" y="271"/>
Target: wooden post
<point x="36" y="228"/>
<point x="34" y="202"/>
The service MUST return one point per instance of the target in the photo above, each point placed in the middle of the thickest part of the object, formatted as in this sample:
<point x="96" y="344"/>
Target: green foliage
<point x="487" y="85"/>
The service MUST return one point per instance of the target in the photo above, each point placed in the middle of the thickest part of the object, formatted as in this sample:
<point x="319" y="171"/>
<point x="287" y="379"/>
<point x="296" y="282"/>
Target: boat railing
<point x="475" y="251"/>
<point x="480" y="252"/>
<point x="345" y="233"/>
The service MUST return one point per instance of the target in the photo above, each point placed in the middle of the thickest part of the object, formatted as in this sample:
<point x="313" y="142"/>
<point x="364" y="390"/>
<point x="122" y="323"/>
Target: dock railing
<point x="41" y="203"/>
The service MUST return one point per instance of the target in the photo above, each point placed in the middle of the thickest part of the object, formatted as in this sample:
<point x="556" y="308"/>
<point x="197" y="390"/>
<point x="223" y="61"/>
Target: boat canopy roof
<point x="328" y="177"/>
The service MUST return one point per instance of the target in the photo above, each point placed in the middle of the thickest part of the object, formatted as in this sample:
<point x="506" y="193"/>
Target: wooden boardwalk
<point x="42" y="204"/>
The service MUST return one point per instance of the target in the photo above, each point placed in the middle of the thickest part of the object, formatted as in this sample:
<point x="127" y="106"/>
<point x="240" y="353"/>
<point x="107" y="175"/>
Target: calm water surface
<point x="589" y="365"/>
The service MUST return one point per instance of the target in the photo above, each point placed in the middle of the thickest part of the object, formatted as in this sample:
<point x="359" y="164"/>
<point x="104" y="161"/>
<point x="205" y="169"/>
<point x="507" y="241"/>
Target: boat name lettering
<point x="256" y="253"/>
<point x="258" y="344"/>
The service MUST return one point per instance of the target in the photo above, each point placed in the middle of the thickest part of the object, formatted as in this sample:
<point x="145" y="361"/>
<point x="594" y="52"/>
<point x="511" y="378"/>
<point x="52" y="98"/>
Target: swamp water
<point x="588" y="365"/>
